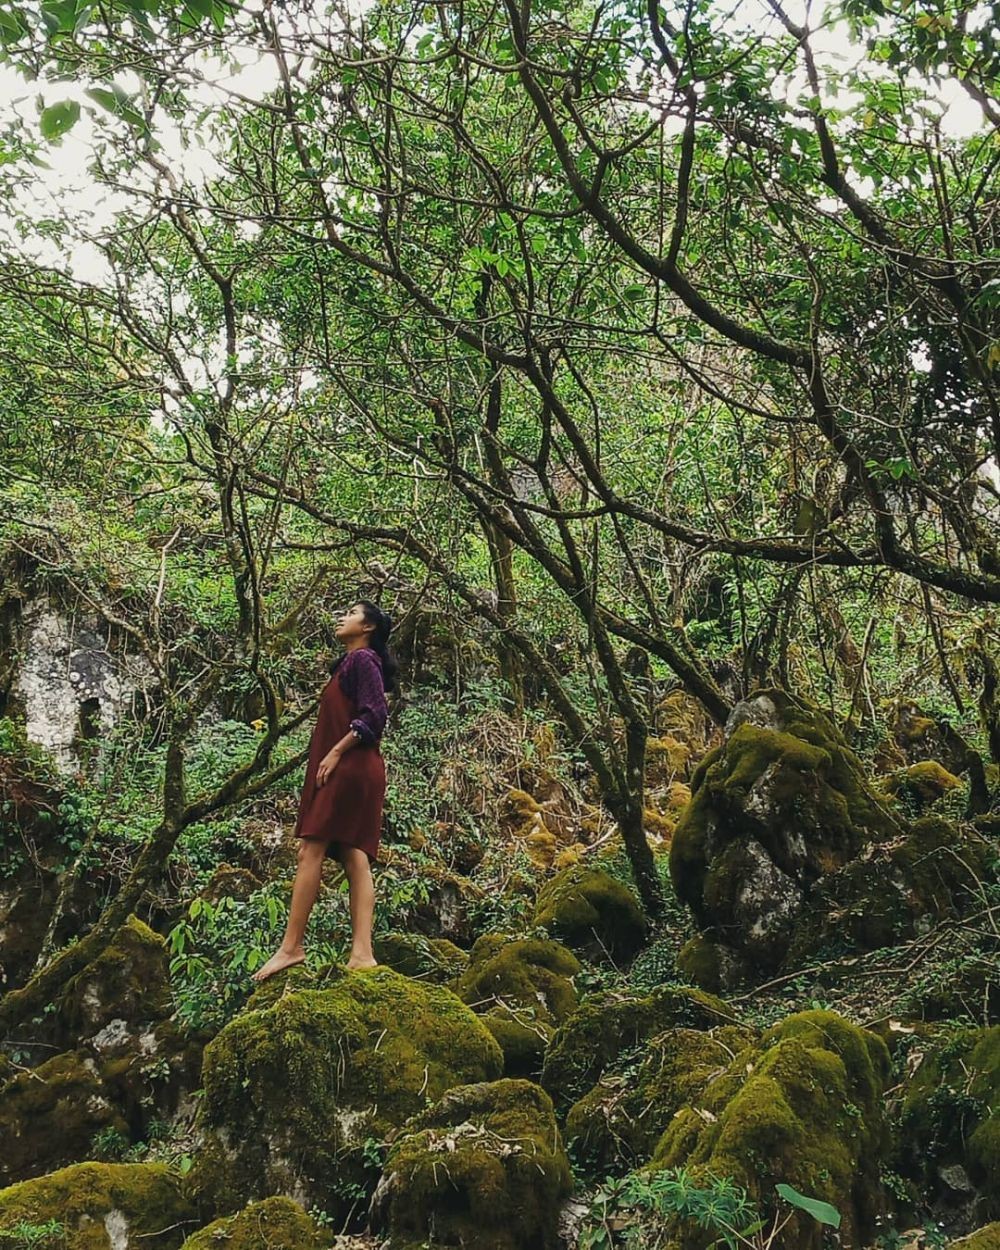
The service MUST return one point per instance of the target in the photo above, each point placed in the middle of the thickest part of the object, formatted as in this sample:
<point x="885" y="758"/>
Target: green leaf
<point x="57" y="119"/>
<point x="821" y="1211"/>
<point x="12" y="24"/>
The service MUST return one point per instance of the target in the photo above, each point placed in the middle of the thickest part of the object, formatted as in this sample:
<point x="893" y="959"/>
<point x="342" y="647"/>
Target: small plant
<point x="109" y="1143"/>
<point x="636" y="1211"/>
<point x="28" y="1236"/>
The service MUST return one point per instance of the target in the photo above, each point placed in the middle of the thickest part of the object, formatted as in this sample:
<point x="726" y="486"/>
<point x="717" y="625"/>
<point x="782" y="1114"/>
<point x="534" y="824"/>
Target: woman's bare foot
<point x="279" y="960"/>
<point x="361" y="961"/>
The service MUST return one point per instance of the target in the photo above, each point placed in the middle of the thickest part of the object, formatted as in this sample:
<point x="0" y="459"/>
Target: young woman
<point x="340" y="811"/>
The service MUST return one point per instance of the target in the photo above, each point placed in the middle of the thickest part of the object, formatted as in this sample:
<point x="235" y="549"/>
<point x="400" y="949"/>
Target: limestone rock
<point x="484" y="1168"/>
<point x="786" y="846"/>
<point x="591" y="912"/>
<point x="606" y="1026"/>
<point x="104" y="1206"/>
<point x="294" y="1088"/>
<point x="274" y="1224"/>
<point x="523" y="989"/>
<point x="802" y="1107"/>
<point x="49" y="1115"/>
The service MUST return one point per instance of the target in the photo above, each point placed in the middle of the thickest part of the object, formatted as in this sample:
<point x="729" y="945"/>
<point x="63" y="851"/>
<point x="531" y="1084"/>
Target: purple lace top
<point x="360" y="673"/>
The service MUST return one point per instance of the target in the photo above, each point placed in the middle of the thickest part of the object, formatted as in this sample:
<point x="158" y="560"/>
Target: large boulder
<point x="103" y="1206"/>
<point x="523" y="988"/>
<point x="786" y="846"/>
<point x="296" y="1085"/>
<point x="49" y="1116"/>
<point x="616" y="1125"/>
<point x="803" y="1107"/>
<point x="131" y="1062"/>
<point x="416" y="955"/>
<point x="483" y="1169"/>
<point x="606" y="1027"/>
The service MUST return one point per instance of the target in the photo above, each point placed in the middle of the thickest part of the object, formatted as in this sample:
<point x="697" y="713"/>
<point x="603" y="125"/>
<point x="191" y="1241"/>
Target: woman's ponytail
<point x="379" y="641"/>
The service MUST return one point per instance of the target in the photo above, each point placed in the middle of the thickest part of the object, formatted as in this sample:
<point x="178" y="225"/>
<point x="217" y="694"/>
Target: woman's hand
<point x="327" y="764"/>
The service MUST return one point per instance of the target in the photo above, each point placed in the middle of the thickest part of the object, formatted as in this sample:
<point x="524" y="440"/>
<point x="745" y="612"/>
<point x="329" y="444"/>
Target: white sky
<point x="67" y="190"/>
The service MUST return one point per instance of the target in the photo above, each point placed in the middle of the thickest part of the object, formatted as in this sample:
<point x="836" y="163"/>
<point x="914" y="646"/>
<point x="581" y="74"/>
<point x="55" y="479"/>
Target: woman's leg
<point x="308" y="875"/>
<point x="359" y="876"/>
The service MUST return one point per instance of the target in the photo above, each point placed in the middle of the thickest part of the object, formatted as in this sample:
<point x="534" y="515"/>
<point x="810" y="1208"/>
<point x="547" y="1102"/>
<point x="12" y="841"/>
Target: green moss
<point x="274" y="1224"/>
<point x="484" y="1169"/>
<point x="702" y="962"/>
<point x="930" y="870"/>
<point x="922" y="783"/>
<point x="592" y="912"/>
<point x="616" y="1125"/>
<point x="130" y="981"/>
<point x="803" y="1107"/>
<point x="951" y="1112"/>
<point x="524" y="988"/>
<point x="292" y="1090"/>
<point x="605" y="1025"/>
<point x="48" y="1116"/>
<point x="987" y="1238"/>
<point x="142" y="1204"/>
<point x="414" y="955"/>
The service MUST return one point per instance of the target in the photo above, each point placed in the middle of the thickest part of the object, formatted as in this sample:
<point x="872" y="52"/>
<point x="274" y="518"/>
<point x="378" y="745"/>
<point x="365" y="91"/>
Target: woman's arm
<point x="368" y="693"/>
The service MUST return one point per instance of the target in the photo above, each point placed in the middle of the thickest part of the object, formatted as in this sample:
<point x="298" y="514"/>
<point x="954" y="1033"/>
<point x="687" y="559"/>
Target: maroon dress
<point x="348" y="807"/>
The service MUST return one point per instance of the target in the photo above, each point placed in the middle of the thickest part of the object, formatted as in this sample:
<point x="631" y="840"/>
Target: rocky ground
<point x="819" y="1007"/>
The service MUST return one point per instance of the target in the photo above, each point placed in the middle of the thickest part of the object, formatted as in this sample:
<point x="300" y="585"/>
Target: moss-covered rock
<point x="274" y="1224"/>
<point x="293" y="1090"/>
<point x="523" y="988"/>
<point x="49" y="1115"/>
<point x="616" y="1125"/>
<point x="803" y="1107"/>
<point x="231" y="881"/>
<point x="129" y="982"/>
<point x="786" y="848"/>
<point x="415" y="955"/>
<point x="890" y="892"/>
<point x="591" y="912"/>
<point x="951" y="1113"/>
<point x="483" y="1169"/>
<point x="104" y="1206"/>
<point x="921" y="784"/>
<point x="606" y="1026"/>
<point x="987" y="1238"/>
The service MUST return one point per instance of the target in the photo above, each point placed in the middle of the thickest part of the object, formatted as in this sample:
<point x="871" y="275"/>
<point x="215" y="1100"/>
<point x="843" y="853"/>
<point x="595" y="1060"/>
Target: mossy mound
<point x="104" y="1206"/>
<point x="130" y="981"/>
<point x="921" y="784"/>
<point x="782" y="803"/>
<point x="951" y="1113"/>
<point x="887" y="894"/>
<point x="274" y="1224"/>
<point x="293" y="1090"/>
<point x="523" y="988"/>
<point x="616" y="1125"/>
<point x="606" y="1025"/>
<point x="803" y="1107"/>
<point x="987" y="1238"/>
<point x="48" y="1116"/>
<point x="231" y="881"/>
<point x="414" y="955"/>
<point x="591" y="912"/>
<point x="483" y="1169"/>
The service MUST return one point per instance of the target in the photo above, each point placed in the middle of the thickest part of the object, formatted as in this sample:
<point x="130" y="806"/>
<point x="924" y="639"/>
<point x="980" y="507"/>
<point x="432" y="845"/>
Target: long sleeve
<point x="362" y="682"/>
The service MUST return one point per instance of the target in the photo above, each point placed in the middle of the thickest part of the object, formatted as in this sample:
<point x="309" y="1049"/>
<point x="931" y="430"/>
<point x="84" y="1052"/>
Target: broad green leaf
<point x="821" y="1211"/>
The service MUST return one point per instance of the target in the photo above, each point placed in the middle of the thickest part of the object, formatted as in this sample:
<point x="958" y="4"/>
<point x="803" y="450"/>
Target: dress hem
<point x="318" y="837"/>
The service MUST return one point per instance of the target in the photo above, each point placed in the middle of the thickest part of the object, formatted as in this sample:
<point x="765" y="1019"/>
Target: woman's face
<point x="352" y="624"/>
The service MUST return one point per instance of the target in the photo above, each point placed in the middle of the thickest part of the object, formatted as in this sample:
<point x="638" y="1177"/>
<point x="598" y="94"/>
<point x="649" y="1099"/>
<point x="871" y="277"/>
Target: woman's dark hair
<point x="379" y="642"/>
